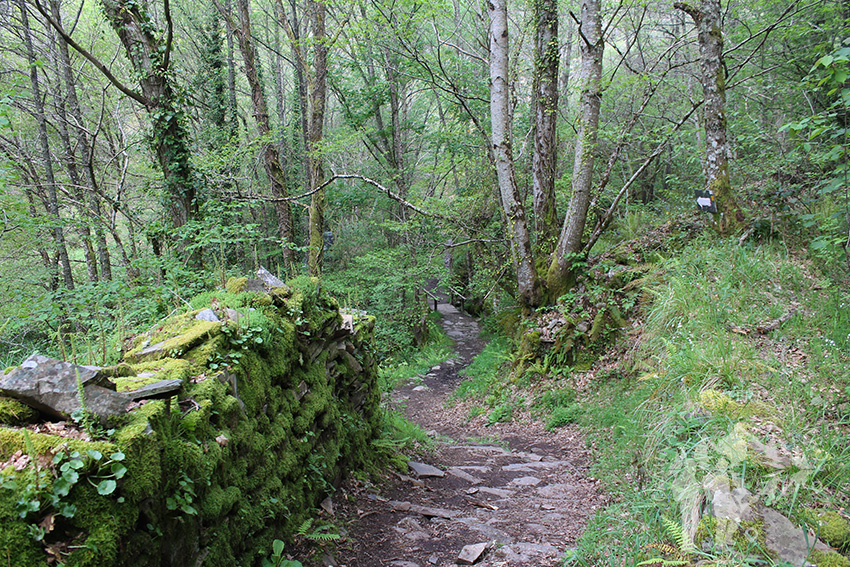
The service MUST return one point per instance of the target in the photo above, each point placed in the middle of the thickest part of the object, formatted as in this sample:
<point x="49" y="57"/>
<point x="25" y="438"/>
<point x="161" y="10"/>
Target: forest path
<point x="521" y="492"/>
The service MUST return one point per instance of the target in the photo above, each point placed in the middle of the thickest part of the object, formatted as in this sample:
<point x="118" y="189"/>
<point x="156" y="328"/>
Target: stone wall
<point x="276" y="398"/>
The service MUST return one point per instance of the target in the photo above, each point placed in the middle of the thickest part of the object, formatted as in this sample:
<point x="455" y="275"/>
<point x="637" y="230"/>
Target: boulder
<point x="51" y="387"/>
<point x="270" y="280"/>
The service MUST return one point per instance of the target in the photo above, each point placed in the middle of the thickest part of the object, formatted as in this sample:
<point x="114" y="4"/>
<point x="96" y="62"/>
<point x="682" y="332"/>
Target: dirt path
<point x="521" y="491"/>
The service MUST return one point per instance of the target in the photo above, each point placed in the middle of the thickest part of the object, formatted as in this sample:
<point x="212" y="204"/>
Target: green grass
<point x="485" y="376"/>
<point x="406" y="365"/>
<point x="657" y="440"/>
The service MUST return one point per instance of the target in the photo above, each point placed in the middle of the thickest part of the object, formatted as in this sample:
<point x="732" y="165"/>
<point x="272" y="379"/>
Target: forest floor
<point x="520" y="491"/>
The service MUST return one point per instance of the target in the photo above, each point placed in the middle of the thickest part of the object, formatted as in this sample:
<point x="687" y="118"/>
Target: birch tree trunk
<point x="544" y="162"/>
<point x="560" y="276"/>
<point x="729" y="216"/>
<point x="528" y="290"/>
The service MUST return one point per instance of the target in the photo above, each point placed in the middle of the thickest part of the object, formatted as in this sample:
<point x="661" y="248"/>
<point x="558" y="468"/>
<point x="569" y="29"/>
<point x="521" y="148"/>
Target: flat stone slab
<point x="51" y="386"/>
<point x="462" y="474"/>
<point x="500" y="492"/>
<point x="422" y="470"/>
<point x="556" y="491"/>
<point x="157" y="390"/>
<point x="526" y="481"/>
<point x="785" y="539"/>
<point x="433" y="512"/>
<point x="471" y="554"/>
<point x="527" y="467"/>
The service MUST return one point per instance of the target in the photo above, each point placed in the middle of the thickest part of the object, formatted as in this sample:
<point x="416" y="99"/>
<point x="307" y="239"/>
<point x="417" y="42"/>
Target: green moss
<point x="744" y="537"/>
<point x="154" y="371"/>
<point x="831" y="527"/>
<point x="12" y="440"/>
<point x="13" y="412"/>
<point x="828" y="558"/>
<point x="236" y="285"/>
<point x="175" y="337"/>
<point x="719" y="403"/>
<point x="252" y="472"/>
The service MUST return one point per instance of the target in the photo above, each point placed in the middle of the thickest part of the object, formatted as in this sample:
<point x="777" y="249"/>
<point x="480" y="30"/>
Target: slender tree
<point x="271" y="155"/>
<point x="546" y="59"/>
<point x="47" y="158"/>
<point x="560" y="276"/>
<point x="528" y="289"/>
<point x="707" y="18"/>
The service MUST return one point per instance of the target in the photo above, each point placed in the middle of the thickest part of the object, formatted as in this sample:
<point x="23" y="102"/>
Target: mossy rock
<point x="718" y="403"/>
<point x="739" y="537"/>
<point x="831" y="527"/>
<point x="154" y="371"/>
<point x="828" y="558"/>
<point x="236" y="285"/>
<point x="173" y="338"/>
<point x="13" y="412"/>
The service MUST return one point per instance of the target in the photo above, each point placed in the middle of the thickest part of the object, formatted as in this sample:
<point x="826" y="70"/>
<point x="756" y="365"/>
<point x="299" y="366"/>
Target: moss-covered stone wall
<point x="280" y="399"/>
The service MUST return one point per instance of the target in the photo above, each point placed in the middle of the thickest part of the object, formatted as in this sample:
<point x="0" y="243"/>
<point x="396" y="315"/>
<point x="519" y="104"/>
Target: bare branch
<point x="606" y="218"/>
<point x="91" y="58"/>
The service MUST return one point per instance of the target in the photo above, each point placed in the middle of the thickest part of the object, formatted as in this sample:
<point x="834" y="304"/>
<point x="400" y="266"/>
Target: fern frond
<point x="676" y="533"/>
<point x="661" y="562"/>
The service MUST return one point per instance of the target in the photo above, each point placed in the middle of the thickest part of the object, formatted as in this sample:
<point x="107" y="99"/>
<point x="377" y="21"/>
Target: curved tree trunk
<point x="560" y="277"/>
<point x="528" y="289"/>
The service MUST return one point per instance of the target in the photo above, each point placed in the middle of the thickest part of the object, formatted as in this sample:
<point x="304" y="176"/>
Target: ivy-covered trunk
<point x="150" y="58"/>
<point x="707" y="17"/>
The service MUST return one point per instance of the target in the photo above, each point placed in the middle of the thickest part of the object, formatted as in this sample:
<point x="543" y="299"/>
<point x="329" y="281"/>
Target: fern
<point x="317" y="534"/>
<point x="677" y="534"/>
<point x="661" y="562"/>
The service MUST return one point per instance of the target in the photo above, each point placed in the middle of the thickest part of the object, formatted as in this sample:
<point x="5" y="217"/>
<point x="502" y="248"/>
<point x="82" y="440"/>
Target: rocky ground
<point x="507" y="494"/>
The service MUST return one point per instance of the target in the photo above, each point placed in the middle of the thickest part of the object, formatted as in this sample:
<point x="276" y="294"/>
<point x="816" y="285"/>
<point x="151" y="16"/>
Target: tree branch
<point x="91" y="58"/>
<point x="605" y="219"/>
<point x="690" y="10"/>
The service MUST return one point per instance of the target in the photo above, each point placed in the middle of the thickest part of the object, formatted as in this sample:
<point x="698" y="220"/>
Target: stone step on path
<point x="523" y="501"/>
<point x="520" y="506"/>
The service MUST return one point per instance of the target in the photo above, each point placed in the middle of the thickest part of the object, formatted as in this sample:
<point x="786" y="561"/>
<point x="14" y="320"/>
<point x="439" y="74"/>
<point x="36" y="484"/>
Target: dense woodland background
<point x="149" y="150"/>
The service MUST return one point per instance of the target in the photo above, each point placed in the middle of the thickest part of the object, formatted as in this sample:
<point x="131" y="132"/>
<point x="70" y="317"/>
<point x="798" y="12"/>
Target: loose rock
<point x="471" y="554"/>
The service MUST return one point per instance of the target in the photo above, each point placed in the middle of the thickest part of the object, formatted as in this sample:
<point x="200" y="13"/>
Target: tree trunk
<point x="44" y="143"/>
<point x="65" y="82"/>
<point x="707" y="18"/>
<point x="150" y="58"/>
<point x="528" y="291"/>
<point x="545" y="140"/>
<point x="318" y="97"/>
<point x="271" y="161"/>
<point x="560" y="276"/>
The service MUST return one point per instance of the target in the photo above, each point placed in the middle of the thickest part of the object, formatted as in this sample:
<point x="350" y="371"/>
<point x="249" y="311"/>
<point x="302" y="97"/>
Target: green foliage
<point x="277" y="558"/>
<point x="564" y="415"/>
